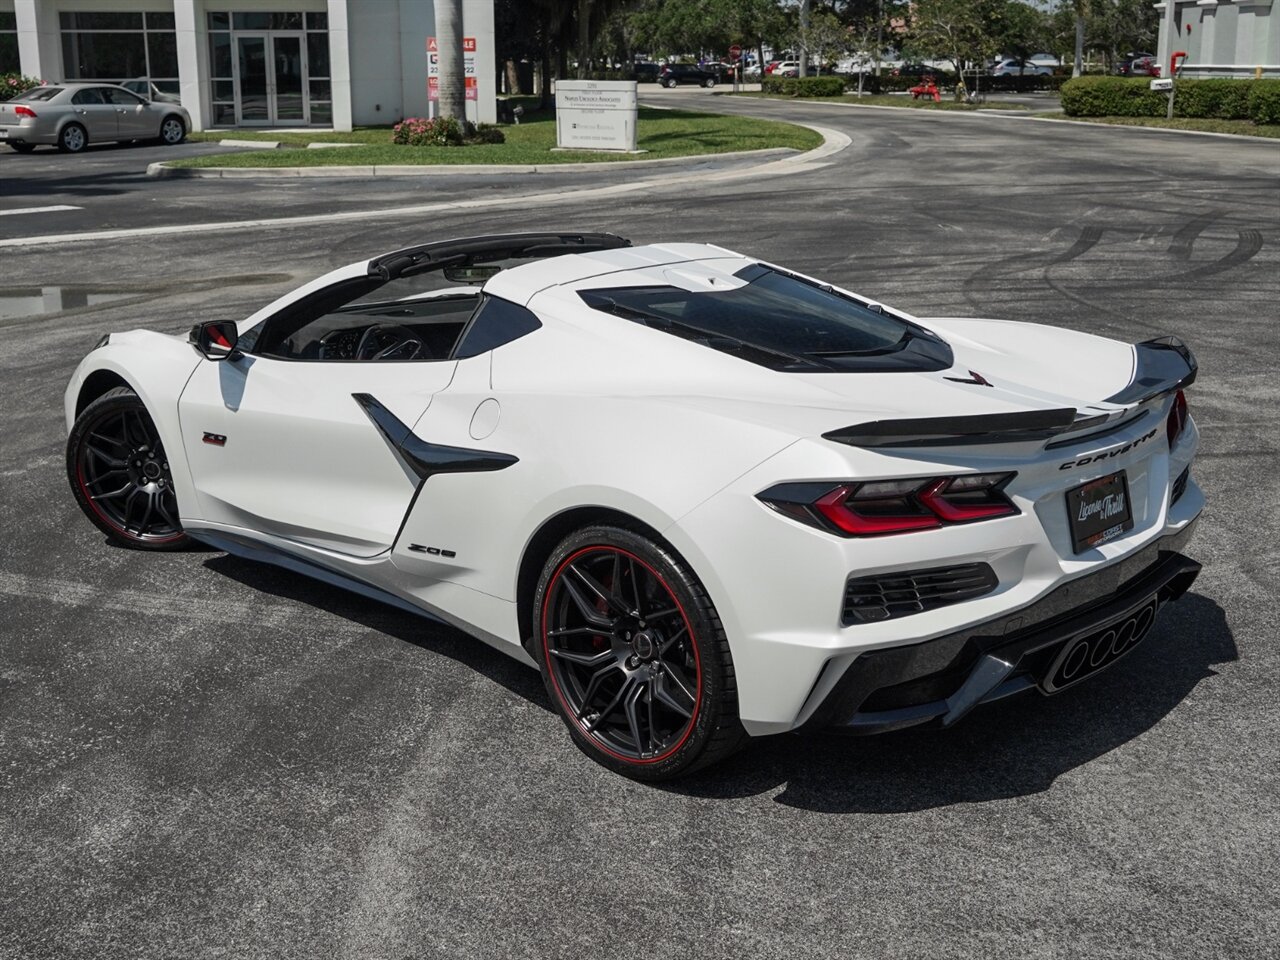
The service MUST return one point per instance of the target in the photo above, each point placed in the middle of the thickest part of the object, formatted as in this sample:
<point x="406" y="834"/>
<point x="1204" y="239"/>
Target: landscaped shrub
<point x="1112" y="97"/>
<point x="1224" y="98"/>
<point x="424" y="132"/>
<point x="1264" y="101"/>
<point x="804" y="86"/>
<point x="483" y="133"/>
<point x="1214" y="98"/>
<point x="12" y="84"/>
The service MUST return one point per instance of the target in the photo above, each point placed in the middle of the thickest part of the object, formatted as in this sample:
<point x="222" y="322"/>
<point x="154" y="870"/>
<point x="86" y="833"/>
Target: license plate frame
<point x="1099" y="511"/>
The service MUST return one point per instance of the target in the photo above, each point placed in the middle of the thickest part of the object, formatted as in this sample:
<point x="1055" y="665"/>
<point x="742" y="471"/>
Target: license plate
<point x="4" y="134"/>
<point x="1099" y="511"/>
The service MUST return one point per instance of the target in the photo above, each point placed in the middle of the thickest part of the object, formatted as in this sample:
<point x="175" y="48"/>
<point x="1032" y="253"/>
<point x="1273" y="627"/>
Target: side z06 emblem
<point x="216" y="439"/>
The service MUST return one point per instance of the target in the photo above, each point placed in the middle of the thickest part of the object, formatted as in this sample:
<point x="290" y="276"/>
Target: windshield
<point x="782" y="322"/>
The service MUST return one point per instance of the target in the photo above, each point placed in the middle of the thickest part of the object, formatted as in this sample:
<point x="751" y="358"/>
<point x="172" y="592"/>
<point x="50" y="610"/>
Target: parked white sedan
<point x="70" y="116"/>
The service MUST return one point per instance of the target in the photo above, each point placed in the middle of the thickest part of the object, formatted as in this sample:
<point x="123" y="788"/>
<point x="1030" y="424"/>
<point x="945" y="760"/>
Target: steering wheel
<point x="390" y="341"/>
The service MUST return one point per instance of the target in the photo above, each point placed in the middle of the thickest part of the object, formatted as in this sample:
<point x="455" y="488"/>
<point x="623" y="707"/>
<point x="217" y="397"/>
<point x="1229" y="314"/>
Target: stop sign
<point x="735" y="52"/>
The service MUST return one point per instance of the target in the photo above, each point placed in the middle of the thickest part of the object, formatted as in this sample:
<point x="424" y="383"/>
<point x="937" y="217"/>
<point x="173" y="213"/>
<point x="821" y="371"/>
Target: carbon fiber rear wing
<point x="1161" y="366"/>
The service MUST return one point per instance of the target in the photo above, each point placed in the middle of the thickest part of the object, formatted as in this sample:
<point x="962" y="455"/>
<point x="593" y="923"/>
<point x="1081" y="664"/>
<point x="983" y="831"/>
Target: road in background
<point x="200" y="756"/>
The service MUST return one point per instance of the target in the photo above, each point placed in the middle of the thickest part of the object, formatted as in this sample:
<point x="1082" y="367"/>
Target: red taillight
<point x="880" y="507"/>
<point x="1177" y="421"/>
<point x="22" y="111"/>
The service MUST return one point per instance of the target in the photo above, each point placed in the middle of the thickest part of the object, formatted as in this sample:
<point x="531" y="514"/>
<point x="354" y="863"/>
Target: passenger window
<point x="88" y="96"/>
<point x="121" y="98"/>
<point x="496" y="322"/>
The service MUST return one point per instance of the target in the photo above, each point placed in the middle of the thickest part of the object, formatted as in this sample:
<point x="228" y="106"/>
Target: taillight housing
<point x="22" y="111"/>
<point x="1178" y="417"/>
<point x="878" y="507"/>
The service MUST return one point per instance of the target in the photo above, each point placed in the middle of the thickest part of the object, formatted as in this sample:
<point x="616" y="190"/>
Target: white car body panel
<point x="602" y="412"/>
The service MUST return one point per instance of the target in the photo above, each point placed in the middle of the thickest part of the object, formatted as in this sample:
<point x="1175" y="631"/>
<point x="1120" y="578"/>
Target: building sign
<point x="596" y="114"/>
<point x="468" y="63"/>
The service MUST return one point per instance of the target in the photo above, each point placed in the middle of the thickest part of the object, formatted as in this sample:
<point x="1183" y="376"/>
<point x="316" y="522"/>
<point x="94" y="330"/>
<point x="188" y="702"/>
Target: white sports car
<point x="706" y="496"/>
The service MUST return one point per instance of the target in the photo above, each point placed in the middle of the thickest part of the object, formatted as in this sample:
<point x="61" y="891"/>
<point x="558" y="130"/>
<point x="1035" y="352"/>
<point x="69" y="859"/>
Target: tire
<point x="114" y="454"/>
<point x="172" y="130"/>
<point x="22" y="147"/>
<point x="709" y="82"/>
<point x="670" y="84"/>
<point x="651" y="696"/>
<point x="72" y="138"/>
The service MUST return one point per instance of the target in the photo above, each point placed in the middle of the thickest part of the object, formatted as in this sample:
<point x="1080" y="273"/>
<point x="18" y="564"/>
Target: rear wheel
<point x="119" y="474"/>
<point x="23" y="147"/>
<point x="634" y="656"/>
<point x="72" y="138"/>
<point x="709" y="82"/>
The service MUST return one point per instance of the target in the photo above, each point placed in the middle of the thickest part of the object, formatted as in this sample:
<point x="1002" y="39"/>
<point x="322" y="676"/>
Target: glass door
<point x="271" y="76"/>
<point x="289" y="78"/>
<point x="253" y="104"/>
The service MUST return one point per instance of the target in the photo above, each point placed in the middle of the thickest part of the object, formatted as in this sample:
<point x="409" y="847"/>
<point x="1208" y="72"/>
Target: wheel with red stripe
<point x="119" y="474"/>
<point x="634" y="656"/>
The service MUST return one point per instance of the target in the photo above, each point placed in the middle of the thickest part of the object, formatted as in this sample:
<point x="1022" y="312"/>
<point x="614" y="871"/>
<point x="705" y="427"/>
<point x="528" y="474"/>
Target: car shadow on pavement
<point x="1008" y="749"/>
<point x="421" y="631"/>
<point x="80" y="185"/>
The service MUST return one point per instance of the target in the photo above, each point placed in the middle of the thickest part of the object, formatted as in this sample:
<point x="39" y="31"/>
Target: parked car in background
<point x="1124" y="63"/>
<point x="918" y="70"/>
<point x="70" y="116"/>
<point x="674" y="74"/>
<point x="1020" y="68"/>
<point x="647" y="72"/>
<point x="147" y="90"/>
<point x="1144" y="67"/>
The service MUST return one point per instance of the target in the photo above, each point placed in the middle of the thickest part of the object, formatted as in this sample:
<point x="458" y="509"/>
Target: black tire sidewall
<point x="115" y="400"/>
<point x="715" y="704"/>
<point x="176" y="118"/>
<point x="62" y="139"/>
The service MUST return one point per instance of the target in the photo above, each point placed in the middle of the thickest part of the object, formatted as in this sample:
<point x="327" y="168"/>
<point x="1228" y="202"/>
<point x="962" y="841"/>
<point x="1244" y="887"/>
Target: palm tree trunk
<point x="1078" y="68"/>
<point x="453" y="88"/>
<point x="584" y="37"/>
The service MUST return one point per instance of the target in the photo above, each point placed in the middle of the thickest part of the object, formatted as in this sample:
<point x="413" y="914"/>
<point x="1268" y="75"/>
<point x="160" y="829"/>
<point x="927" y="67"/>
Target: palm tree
<point x="452" y="80"/>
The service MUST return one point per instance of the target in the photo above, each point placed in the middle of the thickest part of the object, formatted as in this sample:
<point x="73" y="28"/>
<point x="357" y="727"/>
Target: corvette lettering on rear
<point x="1108" y="454"/>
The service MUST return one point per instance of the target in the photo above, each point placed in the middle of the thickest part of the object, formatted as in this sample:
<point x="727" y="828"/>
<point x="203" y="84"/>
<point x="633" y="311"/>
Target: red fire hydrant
<point x="927" y="87"/>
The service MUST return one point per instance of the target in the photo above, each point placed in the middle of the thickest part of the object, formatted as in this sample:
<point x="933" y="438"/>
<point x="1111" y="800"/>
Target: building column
<point x="340" y="64"/>
<point x="38" y="48"/>
<point x="193" y="83"/>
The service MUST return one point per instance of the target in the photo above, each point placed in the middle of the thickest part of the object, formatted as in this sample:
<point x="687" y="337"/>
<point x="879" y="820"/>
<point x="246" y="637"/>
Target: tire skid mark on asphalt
<point x="224" y="610"/>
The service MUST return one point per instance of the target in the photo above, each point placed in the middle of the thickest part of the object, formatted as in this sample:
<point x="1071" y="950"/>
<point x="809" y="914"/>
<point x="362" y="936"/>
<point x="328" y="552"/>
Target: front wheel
<point x="671" y="84"/>
<point x="172" y="131"/>
<point x="633" y="655"/>
<point x="119" y="474"/>
<point x="709" y="82"/>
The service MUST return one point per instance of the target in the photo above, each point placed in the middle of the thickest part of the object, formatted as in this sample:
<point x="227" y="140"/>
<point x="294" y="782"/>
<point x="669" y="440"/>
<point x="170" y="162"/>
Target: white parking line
<point x="53" y="209"/>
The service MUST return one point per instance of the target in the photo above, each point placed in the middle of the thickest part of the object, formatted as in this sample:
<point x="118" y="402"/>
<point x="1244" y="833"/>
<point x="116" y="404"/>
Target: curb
<point x="833" y="142"/>
<point x="1023" y="115"/>
<point x="161" y="168"/>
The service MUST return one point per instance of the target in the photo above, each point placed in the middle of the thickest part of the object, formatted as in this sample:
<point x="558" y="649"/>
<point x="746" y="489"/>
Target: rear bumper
<point x="1072" y="633"/>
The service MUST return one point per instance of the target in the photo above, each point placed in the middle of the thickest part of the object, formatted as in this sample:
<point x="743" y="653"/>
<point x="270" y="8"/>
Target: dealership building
<point x="1223" y="38"/>
<point x="255" y="63"/>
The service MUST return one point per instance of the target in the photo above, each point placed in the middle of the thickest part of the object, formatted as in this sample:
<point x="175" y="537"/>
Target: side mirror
<point x="217" y="341"/>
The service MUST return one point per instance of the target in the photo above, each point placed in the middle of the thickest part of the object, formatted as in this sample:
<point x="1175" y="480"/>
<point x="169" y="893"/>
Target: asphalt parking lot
<point x="202" y="757"/>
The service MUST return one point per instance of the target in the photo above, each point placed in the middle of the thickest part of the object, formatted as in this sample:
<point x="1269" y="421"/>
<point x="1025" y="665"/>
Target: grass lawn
<point x="893" y="100"/>
<point x="1245" y="127"/>
<point x="662" y="133"/>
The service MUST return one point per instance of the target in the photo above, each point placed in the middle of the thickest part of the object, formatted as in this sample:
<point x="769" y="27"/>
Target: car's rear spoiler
<point x="473" y="250"/>
<point x="1160" y="366"/>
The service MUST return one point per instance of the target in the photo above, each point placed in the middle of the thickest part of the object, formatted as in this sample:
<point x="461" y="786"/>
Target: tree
<point x="452" y="89"/>
<point x="823" y="37"/>
<point x="956" y="30"/>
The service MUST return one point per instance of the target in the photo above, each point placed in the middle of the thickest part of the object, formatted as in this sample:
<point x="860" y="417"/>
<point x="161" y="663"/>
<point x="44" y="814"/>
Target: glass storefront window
<point x="219" y="21"/>
<point x="104" y="56"/>
<point x="257" y="62"/>
<point x="9" y="42"/>
<point x="318" y="54"/>
<point x="162" y="54"/>
<point x="317" y="21"/>
<point x="91" y="20"/>
<point x="266" y="21"/>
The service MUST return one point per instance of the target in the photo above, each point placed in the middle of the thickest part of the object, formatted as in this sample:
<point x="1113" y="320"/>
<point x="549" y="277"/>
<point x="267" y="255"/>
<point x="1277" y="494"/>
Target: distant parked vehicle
<point x="674" y="74"/>
<point x="1020" y="68"/>
<point x="647" y="72"/>
<point x="1144" y="67"/>
<point x="149" y="91"/>
<point x="1124" y="64"/>
<point x="70" y="116"/>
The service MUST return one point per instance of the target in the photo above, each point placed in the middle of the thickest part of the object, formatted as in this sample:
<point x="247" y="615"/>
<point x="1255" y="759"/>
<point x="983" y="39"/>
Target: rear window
<point x="782" y="322"/>
<point x="39" y="93"/>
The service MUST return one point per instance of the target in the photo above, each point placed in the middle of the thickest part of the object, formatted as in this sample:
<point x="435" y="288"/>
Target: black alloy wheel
<point x="634" y="657"/>
<point x="120" y="476"/>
